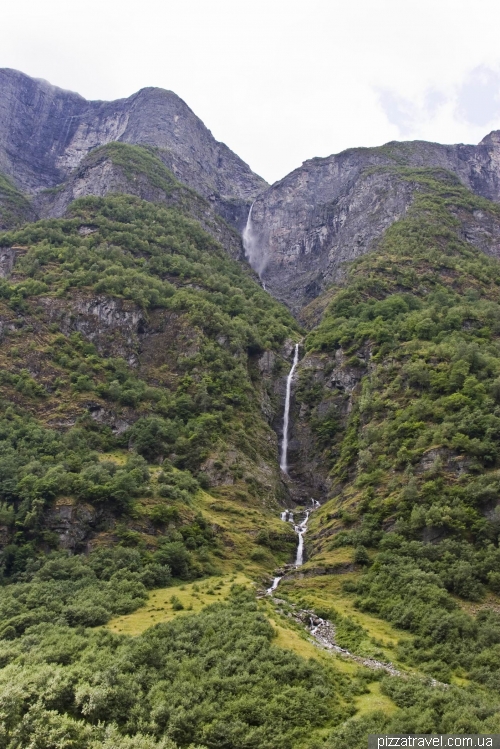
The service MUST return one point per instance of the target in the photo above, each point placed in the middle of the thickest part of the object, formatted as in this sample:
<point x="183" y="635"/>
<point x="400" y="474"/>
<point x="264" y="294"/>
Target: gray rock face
<point x="73" y="523"/>
<point x="7" y="260"/>
<point x="46" y="132"/>
<point x="303" y="229"/>
<point x="333" y="210"/>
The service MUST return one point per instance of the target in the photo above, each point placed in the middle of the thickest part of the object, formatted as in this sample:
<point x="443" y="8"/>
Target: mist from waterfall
<point x="253" y="251"/>
<point x="286" y="415"/>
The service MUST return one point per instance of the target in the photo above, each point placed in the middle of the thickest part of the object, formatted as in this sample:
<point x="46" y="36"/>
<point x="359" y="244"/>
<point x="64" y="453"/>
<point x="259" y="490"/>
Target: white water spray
<point x="253" y="251"/>
<point x="273" y="587"/>
<point x="300" y="530"/>
<point x="286" y="415"/>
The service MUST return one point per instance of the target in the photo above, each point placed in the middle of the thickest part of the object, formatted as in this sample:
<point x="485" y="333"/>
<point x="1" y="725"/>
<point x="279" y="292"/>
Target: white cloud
<point x="478" y="98"/>
<point x="399" y="111"/>
<point x="470" y="107"/>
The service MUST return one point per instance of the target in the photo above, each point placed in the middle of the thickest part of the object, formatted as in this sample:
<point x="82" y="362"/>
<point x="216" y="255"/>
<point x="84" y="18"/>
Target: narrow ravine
<point x="287" y="515"/>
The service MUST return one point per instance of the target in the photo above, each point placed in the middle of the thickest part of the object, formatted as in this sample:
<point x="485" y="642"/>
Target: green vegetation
<point x="195" y="392"/>
<point x="417" y="460"/>
<point x="449" y="710"/>
<point x="80" y="591"/>
<point x="15" y="208"/>
<point x="213" y="679"/>
<point x="152" y="256"/>
<point x="190" y="398"/>
<point x="133" y="396"/>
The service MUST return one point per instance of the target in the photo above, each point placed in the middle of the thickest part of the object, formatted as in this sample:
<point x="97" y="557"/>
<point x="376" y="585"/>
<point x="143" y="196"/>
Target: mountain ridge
<point x="331" y="210"/>
<point x="45" y="132"/>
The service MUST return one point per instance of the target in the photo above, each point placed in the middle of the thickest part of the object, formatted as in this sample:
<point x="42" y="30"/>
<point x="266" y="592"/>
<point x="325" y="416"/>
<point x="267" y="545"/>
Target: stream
<point x="321" y="630"/>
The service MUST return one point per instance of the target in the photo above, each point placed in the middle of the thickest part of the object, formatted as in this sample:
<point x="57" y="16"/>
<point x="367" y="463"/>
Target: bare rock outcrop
<point x="46" y="132"/>
<point x="332" y="210"/>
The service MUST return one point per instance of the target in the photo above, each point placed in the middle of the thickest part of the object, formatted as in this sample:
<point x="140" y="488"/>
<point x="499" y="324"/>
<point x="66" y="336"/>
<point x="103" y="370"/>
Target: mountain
<point x="397" y="408"/>
<point x="330" y="211"/>
<point x="46" y="133"/>
<point x="165" y="583"/>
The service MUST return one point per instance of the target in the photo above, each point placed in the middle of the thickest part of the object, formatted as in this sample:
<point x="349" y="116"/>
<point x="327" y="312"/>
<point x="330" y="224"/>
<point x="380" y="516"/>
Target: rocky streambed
<point x="322" y="632"/>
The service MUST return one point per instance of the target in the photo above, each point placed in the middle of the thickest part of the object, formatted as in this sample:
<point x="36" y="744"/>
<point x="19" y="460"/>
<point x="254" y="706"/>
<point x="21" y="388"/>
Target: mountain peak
<point x="492" y="139"/>
<point x="46" y="132"/>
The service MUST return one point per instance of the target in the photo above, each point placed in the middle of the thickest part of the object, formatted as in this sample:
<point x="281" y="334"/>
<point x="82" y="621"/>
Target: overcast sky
<point x="279" y="81"/>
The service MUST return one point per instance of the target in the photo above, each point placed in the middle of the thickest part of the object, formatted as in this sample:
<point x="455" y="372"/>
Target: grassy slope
<point x="136" y="162"/>
<point x="193" y="597"/>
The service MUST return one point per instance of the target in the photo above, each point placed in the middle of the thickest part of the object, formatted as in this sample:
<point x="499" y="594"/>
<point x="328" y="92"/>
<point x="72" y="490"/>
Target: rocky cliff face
<point x="45" y="133"/>
<point x="332" y="210"/>
<point x="328" y="392"/>
<point x="302" y="230"/>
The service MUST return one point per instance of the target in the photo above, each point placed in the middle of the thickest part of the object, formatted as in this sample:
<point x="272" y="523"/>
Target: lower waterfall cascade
<point x="300" y="529"/>
<point x="287" y="515"/>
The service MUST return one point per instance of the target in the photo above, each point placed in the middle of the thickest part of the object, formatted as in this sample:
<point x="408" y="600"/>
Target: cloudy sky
<point x="279" y="81"/>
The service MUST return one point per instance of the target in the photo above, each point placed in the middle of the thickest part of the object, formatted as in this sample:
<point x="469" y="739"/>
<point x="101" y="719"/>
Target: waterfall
<point x="253" y="252"/>
<point x="300" y="530"/>
<point x="250" y="241"/>
<point x="286" y="415"/>
<point x="247" y="235"/>
<point x="273" y="586"/>
<point x="301" y="527"/>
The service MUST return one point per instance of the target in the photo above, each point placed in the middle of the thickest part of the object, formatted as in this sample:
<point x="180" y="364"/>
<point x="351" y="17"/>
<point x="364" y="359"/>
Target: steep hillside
<point x="127" y="325"/>
<point x="135" y="170"/>
<point x="332" y="210"/>
<point x="399" y="407"/>
<point x="46" y="132"/>
<point x="140" y="370"/>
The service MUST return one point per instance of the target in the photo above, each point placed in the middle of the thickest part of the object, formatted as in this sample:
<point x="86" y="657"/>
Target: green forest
<point x="141" y="381"/>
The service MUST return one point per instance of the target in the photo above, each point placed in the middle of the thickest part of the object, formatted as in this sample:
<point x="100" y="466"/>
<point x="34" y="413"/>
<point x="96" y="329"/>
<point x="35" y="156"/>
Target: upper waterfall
<point x="253" y="250"/>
